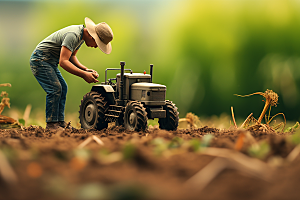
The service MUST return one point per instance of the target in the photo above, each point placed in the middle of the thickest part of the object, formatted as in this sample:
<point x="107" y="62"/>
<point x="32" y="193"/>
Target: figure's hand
<point x="94" y="72"/>
<point x="89" y="77"/>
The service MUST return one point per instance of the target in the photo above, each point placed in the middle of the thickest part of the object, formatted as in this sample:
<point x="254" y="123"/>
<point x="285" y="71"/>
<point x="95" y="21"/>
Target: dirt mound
<point x="118" y="164"/>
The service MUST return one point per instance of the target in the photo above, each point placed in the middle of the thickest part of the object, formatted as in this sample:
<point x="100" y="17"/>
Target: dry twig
<point x="244" y="137"/>
<point x="97" y="140"/>
<point x="85" y="142"/>
<point x="232" y="113"/>
<point x="253" y="165"/>
<point x="5" y="85"/>
<point x="293" y="154"/>
<point x="246" y="121"/>
<point x="4" y="102"/>
<point x="240" y="141"/>
<point x="6" y="170"/>
<point x="228" y="159"/>
<point x="202" y="178"/>
<point x="89" y="139"/>
<point x="26" y="114"/>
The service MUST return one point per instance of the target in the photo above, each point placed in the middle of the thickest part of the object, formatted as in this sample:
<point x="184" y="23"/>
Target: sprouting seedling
<point x="176" y="142"/>
<point x="271" y="99"/>
<point x="293" y="128"/>
<point x="259" y="151"/>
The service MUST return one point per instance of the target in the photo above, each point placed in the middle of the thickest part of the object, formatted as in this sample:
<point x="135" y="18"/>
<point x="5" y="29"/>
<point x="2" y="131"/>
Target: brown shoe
<point x="65" y="125"/>
<point x="53" y="126"/>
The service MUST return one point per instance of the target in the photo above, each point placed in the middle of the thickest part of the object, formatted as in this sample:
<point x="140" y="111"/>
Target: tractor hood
<point x="151" y="94"/>
<point x="148" y="86"/>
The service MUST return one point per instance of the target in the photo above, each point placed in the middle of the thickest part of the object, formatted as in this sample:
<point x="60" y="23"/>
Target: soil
<point x="155" y="164"/>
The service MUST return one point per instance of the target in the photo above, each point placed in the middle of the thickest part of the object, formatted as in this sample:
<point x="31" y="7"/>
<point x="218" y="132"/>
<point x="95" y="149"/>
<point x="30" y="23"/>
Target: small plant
<point x="271" y="99"/>
<point x="160" y="145"/>
<point x="259" y="151"/>
<point x="176" y="142"/>
<point x="206" y="140"/>
<point x="293" y="128"/>
<point x="198" y="145"/>
<point x="190" y="121"/>
<point x="129" y="151"/>
<point x="5" y="100"/>
<point x="6" y="122"/>
<point x="195" y="144"/>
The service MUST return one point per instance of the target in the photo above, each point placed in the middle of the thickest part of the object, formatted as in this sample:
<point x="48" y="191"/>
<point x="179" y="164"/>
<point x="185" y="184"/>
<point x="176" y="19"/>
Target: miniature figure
<point x="61" y="48"/>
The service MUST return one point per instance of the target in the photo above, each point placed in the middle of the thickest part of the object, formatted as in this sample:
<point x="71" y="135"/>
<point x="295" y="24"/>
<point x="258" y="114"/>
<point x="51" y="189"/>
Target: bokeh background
<point x="204" y="51"/>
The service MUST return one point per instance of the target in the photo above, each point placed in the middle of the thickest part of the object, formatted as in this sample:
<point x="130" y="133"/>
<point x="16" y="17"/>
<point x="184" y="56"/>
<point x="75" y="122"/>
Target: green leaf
<point x="195" y="144"/>
<point x="259" y="151"/>
<point x="129" y="151"/>
<point x="85" y="154"/>
<point x="206" y="140"/>
<point x="293" y="128"/>
<point x="22" y="121"/>
<point x="160" y="145"/>
<point x="176" y="142"/>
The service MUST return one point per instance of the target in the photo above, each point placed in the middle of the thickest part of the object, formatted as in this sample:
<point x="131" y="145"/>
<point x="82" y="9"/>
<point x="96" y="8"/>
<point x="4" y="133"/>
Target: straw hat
<point x="102" y="34"/>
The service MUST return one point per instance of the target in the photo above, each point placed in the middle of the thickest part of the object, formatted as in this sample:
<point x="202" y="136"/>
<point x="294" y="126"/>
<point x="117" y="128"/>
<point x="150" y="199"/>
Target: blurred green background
<point x="204" y="51"/>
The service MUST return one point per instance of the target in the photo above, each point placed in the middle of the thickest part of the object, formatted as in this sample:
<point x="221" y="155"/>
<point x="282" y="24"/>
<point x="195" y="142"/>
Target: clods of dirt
<point x="115" y="163"/>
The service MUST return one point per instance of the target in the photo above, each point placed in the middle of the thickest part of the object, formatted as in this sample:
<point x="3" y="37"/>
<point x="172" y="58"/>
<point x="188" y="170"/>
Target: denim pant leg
<point x="63" y="97"/>
<point x="46" y="75"/>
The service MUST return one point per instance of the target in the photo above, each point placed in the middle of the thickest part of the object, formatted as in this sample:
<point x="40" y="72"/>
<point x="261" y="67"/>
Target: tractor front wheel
<point x="169" y="123"/>
<point x="92" y="111"/>
<point x="135" y="116"/>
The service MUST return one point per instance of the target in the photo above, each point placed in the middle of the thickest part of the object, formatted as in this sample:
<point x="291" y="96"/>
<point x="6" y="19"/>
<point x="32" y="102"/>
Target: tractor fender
<point x="106" y="90"/>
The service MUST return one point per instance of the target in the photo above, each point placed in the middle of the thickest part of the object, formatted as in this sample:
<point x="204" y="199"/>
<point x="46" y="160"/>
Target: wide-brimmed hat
<point x="102" y="34"/>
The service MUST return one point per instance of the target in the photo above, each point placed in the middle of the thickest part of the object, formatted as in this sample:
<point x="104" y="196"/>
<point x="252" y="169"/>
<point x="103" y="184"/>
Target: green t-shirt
<point x="70" y="37"/>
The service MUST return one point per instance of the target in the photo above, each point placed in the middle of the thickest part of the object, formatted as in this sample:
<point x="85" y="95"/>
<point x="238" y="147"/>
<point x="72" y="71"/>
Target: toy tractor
<point x="130" y="100"/>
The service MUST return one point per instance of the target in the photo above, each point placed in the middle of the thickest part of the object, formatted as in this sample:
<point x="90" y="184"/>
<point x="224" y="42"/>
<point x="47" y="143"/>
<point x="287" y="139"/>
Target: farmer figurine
<point x="61" y="48"/>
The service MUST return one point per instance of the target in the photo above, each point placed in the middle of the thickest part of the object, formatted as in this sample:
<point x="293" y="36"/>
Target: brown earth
<point x="155" y="164"/>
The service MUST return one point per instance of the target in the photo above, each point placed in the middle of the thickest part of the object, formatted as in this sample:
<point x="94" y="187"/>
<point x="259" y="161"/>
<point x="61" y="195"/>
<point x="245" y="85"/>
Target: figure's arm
<point x="73" y="59"/>
<point x="78" y="69"/>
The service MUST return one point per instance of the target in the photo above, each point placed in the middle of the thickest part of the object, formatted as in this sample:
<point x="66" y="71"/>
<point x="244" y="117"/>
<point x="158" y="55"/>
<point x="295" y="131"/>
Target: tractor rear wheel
<point x="169" y="123"/>
<point x="92" y="111"/>
<point x="135" y="116"/>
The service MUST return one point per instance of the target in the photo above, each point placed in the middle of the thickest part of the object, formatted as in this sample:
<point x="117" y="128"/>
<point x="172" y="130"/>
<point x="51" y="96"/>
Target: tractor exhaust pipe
<point x="151" y="72"/>
<point x="122" y="63"/>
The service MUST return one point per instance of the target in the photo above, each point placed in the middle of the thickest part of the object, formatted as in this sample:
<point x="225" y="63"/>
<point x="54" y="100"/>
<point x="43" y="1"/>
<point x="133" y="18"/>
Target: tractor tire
<point x="92" y="111"/>
<point x="169" y="123"/>
<point x="135" y="116"/>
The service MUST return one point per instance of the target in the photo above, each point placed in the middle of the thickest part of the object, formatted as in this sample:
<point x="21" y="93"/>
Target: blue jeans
<point x="49" y="77"/>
